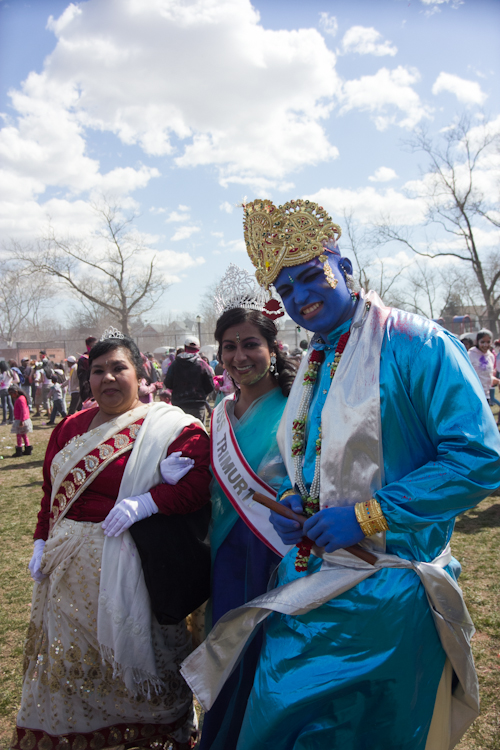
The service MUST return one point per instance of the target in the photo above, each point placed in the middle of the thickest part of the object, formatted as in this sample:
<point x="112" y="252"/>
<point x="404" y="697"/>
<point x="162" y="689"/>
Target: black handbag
<point x="176" y="562"/>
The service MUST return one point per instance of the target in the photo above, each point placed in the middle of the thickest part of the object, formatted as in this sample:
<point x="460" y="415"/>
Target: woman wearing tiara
<point x="244" y="552"/>
<point x="100" y="671"/>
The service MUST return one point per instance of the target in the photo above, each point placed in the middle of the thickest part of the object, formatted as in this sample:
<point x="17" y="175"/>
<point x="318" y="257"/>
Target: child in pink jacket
<point x="22" y="422"/>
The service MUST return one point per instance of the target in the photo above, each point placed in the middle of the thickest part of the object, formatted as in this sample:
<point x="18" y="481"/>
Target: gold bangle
<point x="287" y="493"/>
<point x="370" y="517"/>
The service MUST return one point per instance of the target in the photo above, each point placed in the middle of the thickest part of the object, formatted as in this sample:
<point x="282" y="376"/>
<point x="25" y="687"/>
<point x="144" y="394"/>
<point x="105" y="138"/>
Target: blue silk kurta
<point x="362" y="671"/>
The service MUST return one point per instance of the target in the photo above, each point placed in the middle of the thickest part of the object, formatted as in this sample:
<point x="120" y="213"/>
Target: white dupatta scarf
<point x="124" y="614"/>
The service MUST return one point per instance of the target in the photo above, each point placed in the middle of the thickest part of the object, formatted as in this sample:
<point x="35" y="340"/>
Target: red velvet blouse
<point x="94" y="504"/>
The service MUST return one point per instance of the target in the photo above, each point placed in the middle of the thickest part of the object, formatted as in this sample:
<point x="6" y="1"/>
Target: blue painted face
<point x="309" y="299"/>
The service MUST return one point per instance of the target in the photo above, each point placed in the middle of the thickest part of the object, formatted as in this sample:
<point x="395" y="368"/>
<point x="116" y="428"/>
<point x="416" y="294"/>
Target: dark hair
<point x="4" y="367"/>
<point x="15" y="388"/>
<point x="103" y="347"/>
<point x="268" y="330"/>
<point x="482" y="334"/>
<point x="90" y="340"/>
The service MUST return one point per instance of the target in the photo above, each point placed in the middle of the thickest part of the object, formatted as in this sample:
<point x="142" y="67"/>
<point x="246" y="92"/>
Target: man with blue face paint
<point x="386" y="437"/>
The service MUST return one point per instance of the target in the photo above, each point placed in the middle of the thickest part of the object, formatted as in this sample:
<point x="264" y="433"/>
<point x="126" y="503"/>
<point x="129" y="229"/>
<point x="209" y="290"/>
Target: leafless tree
<point x="370" y="270"/>
<point x="21" y="301"/>
<point x="424" y="290"/>
<point x="89" y="318"/>
<point x="455" y="204"/>
<point x="207" y="310"/>
<point x="107" y="271"/>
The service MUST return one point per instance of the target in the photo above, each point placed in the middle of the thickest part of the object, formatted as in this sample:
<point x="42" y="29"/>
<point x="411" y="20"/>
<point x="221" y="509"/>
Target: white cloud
<point x="183" y="233"/>
<point x="454" y="3"/>
<point x="25" y="219"/>
<point x="259" y="185"/>
<point x="384" y="92"/>
<point x="398" y="260"/>
<point x="468" y="92"/>
<point x="182" y="214"/>
<point x="383" y="174"/>
<point x="123" y="180"/>
<point x="171" y="263"/>
<point x="368" y="205"/>
<point x="156" y="75"/>
<point x="227" y="207"/>
<point x="328" y="23"/>
<point x="484" y="239"/>
<point x="115" y="61"/>
<point x="366" y="41"/>
<point x="434" y="5"/>
<point x="234" y="246"/>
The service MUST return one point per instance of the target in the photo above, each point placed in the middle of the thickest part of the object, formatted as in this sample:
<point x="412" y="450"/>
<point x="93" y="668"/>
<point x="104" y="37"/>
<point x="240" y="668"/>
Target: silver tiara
<point x="112" y="333"/>
<point x="238" y="288"/>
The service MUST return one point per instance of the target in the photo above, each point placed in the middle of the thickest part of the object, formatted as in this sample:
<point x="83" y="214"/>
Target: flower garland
<point x="310" y="498"/>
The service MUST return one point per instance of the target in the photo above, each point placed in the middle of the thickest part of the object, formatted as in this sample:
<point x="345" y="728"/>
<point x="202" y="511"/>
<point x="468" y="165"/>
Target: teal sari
<point x="256" y="436"/>
<point x="241" y="562"/>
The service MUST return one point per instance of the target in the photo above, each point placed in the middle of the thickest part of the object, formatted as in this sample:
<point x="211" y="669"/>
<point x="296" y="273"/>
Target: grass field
<point x="476" y="544"/>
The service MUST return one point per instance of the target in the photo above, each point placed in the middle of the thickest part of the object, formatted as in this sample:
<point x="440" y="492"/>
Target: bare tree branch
<point x="107" y="271"/>
<point x="455" y="204"/>
<point x="21" y="300"/>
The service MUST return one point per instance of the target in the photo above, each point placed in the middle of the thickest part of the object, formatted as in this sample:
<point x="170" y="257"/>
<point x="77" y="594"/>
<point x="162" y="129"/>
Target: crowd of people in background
<point x="43" y="388"/>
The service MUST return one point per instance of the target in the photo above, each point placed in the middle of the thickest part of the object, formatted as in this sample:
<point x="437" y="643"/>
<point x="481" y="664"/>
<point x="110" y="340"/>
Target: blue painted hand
<point x="290" y="532"/>
<point x="333" y="528"/>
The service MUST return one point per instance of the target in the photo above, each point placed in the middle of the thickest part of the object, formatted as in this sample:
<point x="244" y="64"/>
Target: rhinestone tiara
<point x="112" y="333"/>
<point x="238" y="288"/>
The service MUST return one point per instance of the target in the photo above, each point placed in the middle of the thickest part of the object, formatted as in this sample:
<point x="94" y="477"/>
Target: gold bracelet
<point x="287" y="493"/>
<point x="370" y="517"/>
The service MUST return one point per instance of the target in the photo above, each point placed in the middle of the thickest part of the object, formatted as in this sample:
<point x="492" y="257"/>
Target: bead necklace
<point x="310" y="498"/>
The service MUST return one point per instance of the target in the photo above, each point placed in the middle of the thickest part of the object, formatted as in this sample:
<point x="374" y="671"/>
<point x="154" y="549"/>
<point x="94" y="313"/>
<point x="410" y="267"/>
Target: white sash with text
<point x="239" y="481"/>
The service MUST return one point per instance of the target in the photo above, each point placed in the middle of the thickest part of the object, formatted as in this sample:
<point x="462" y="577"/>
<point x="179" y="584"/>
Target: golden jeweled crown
<point x="283" y="236"/>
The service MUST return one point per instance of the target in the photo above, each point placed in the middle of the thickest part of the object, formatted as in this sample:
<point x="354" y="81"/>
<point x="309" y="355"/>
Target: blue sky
<point x="181" y="110"/>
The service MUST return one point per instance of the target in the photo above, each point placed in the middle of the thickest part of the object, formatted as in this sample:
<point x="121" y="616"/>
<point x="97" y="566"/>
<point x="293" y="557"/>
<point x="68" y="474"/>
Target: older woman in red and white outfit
<point x="99" y="669"/>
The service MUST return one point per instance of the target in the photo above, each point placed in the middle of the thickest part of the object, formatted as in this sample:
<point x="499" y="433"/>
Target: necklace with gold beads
<point x="310" y="498"/>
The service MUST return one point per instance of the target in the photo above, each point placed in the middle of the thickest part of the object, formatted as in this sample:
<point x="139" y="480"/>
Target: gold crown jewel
<point x="289" y="235"/>
<point x="263" y="232"/>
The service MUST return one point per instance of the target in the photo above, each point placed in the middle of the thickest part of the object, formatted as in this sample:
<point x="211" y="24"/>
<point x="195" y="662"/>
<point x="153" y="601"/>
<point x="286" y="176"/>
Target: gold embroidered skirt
<point x="70" y="698"/>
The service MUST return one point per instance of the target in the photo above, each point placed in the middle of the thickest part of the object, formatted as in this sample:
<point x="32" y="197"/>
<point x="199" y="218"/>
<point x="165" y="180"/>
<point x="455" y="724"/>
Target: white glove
<point x="128" y="511"/>
<point x="175" y="466"/>
<point x="34" y="564"/>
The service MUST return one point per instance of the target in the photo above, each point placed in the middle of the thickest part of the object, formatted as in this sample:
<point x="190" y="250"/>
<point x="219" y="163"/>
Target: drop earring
<point x="273" y="366"/>
<point x="330" y="276"/>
